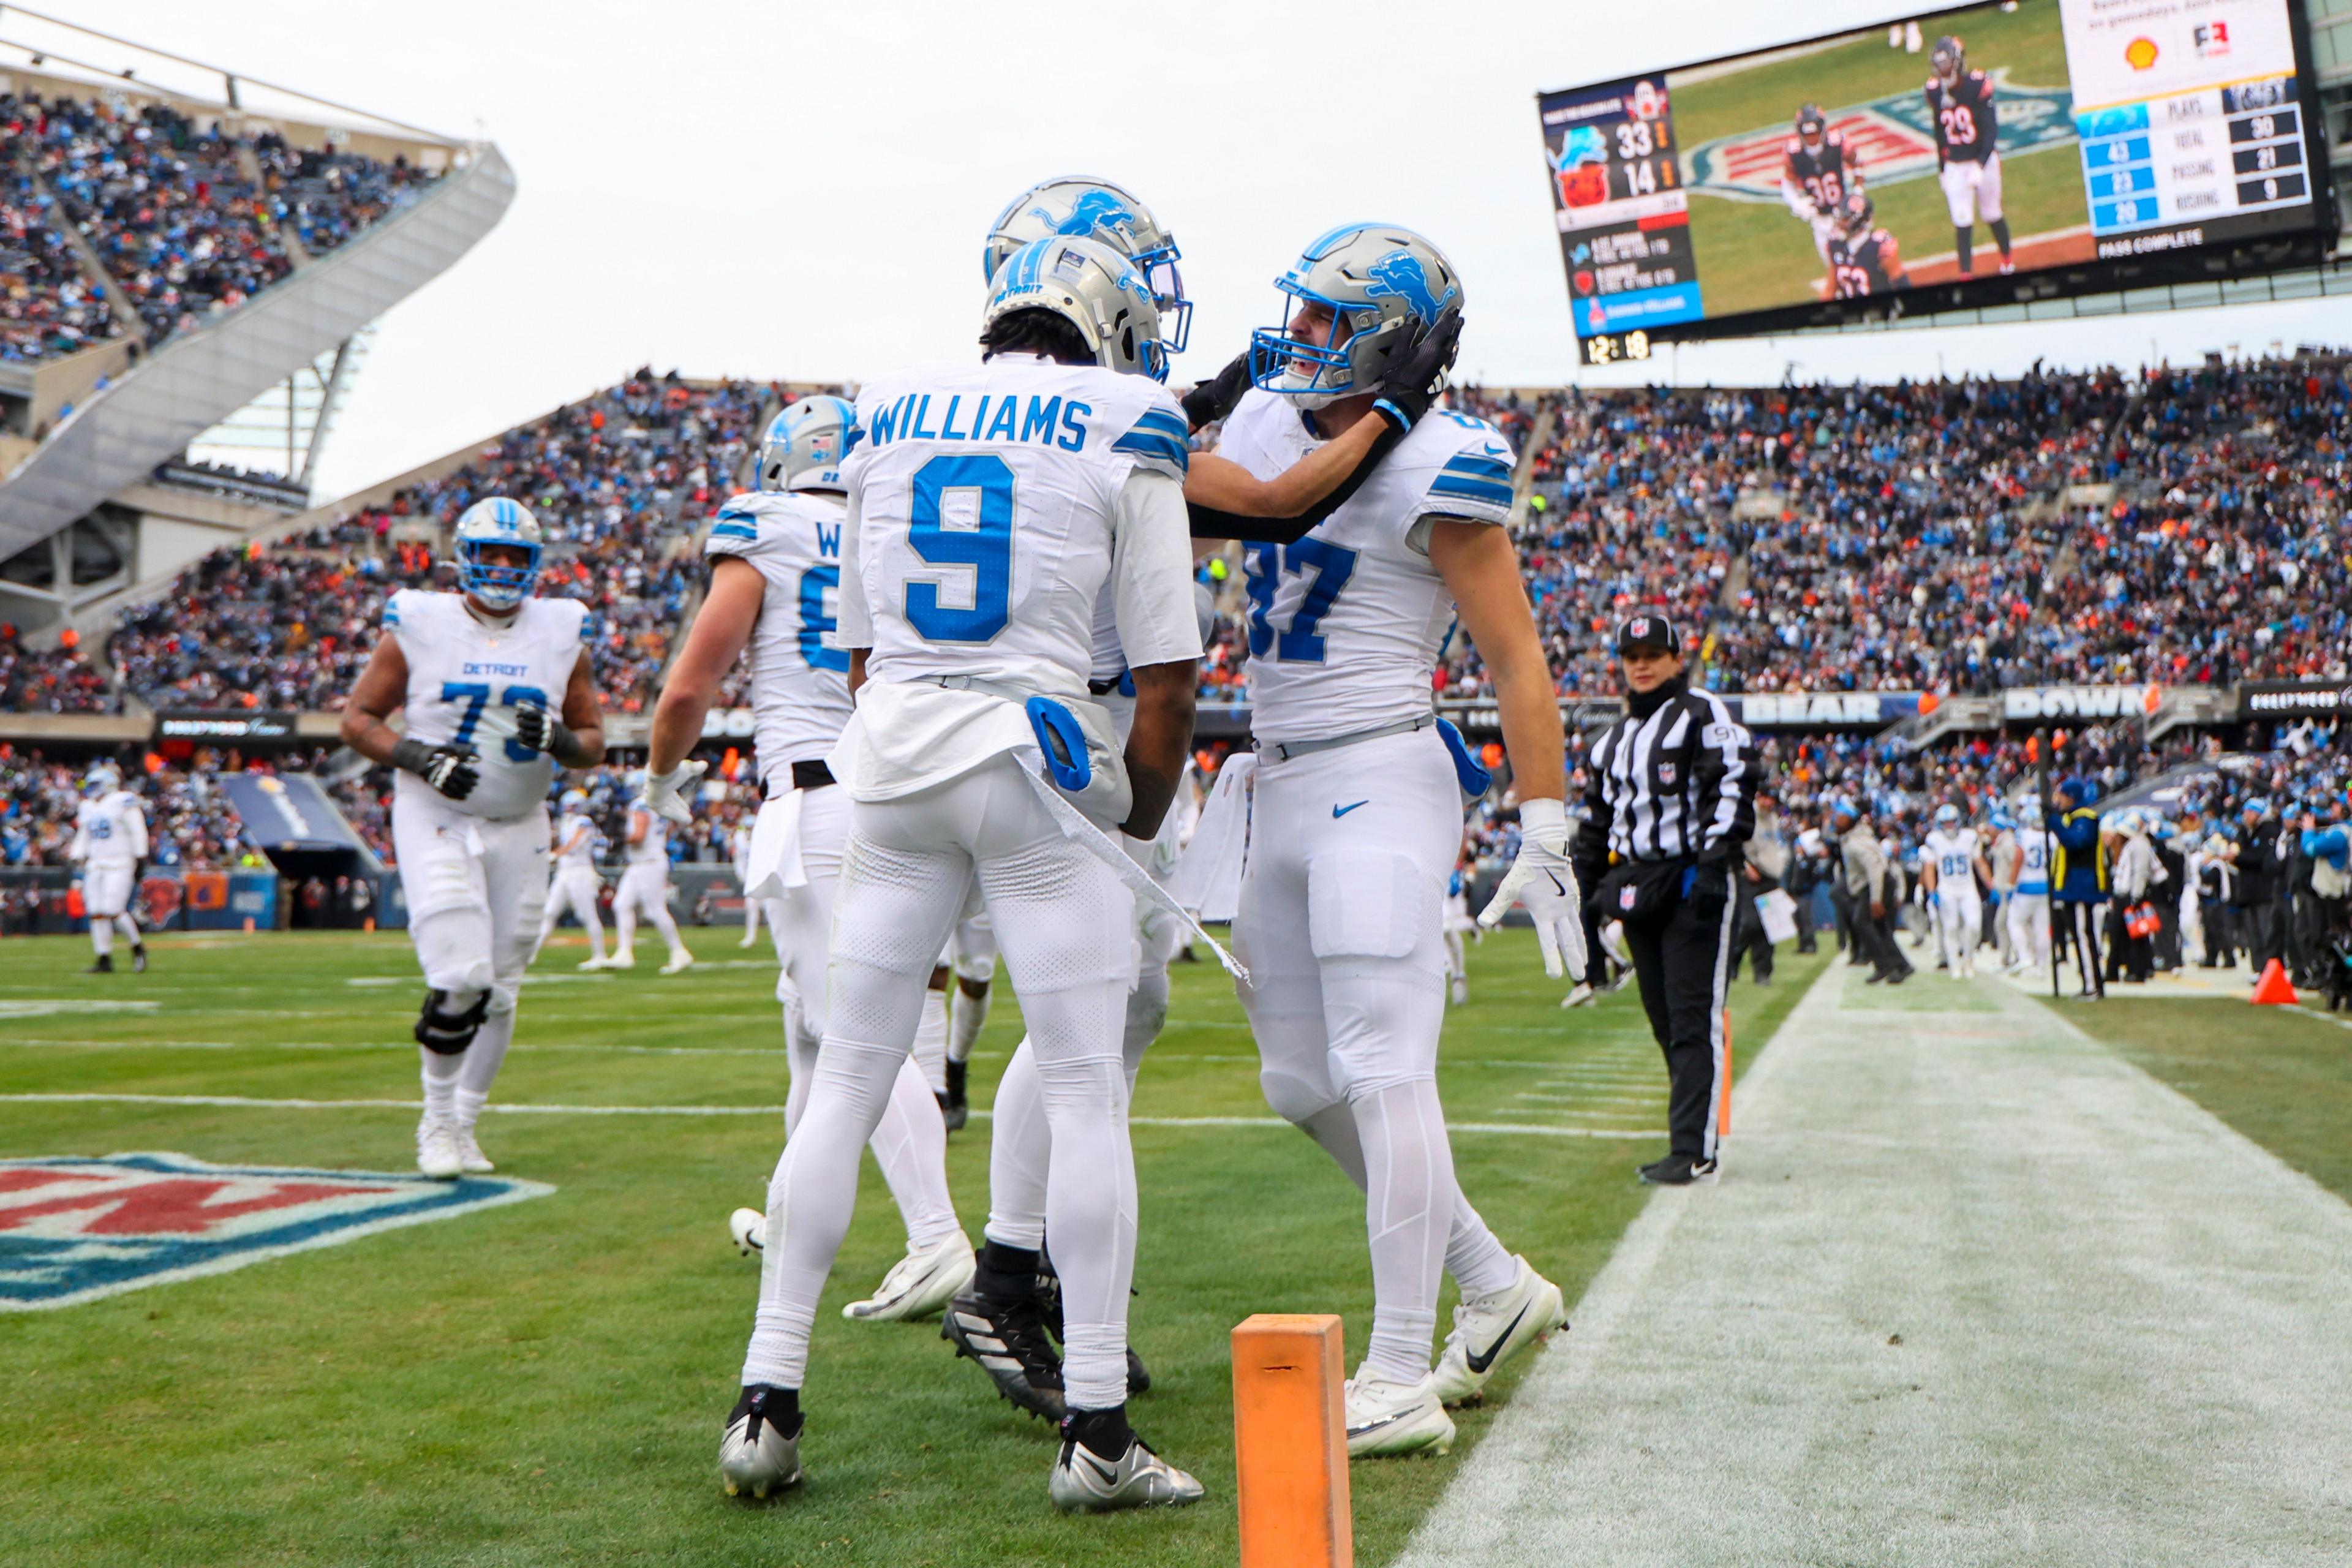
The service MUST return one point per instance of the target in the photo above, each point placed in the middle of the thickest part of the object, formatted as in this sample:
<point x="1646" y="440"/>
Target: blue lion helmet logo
<point x="1091" y="213"/>
<point x="1399" y="275"/>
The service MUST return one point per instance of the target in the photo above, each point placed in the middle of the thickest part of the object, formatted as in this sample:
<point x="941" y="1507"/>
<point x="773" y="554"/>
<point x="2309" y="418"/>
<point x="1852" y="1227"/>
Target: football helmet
<point x="1378" y="281"/>
<point x="1948" y="817"/>
<point x="805" y="444"/>
<point x="1075" y="207"/>
<point x="102" y="780"/>
<point x="498" y="522"/>
<point x="1095" y="289"/>
<point x="575" y="801"/>
<point x="1947" y="60"/>
<point x="2029" y="812"/>
<point x="1810" y="124"/>
<point x="1857" y="214"/>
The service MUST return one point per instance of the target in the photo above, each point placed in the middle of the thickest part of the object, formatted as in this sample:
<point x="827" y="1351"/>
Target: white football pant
<point x="106" y="900"/>
<point x="574" y="890"/>
<point x="2027" y="920"/>
<point x="1959" y="914"/>
<point x="644" y="890"/>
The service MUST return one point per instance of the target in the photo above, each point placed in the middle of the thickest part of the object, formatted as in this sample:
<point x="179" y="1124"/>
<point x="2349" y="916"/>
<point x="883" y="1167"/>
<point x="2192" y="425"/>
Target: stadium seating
<point x="53" y="682"/>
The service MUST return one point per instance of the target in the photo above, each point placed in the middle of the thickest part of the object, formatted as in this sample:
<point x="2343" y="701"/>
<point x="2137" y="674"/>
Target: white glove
<point x="1543" y="880"/>
<point x="664" y="795"/>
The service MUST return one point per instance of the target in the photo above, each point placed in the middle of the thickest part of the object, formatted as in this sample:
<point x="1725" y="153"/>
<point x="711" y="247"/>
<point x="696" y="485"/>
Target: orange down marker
<point x="1290" y="1442"/>
<point x="1723" y="1083"/>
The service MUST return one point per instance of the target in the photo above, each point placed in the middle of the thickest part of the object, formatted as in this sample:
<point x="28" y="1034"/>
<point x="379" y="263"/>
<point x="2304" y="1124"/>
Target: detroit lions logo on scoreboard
<point x="75" y="1229"/>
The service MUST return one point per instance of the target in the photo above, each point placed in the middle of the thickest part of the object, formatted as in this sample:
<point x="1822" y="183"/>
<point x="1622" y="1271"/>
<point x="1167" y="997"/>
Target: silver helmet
<point x="497" y="523"/>
<point x="1091" y="286"/>
<point x="805" y="445"/>
<point x="1376" y="282"/>
<point x="1075" y="207"/>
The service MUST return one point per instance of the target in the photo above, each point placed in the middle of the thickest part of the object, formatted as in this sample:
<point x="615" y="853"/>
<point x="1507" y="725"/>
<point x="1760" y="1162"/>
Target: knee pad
<point x="447" y="1031"/>
<point x="1294" y="1097"/>
<point x="503" y="998"/>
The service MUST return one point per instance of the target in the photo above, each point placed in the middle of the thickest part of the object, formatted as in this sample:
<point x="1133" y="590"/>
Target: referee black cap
<point x="1648" y="629"/>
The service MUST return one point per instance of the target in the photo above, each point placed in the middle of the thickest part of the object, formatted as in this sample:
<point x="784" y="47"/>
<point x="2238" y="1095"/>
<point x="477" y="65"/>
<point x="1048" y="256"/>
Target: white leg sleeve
<point x="657" y="911"/>
<point x="1020" y="1152"/>
<point x="931" y="1041"/>
<point x="128" y="925"/>
<point x="1409" y="1189"/>
<point x="101" y="935"/>
<point x="910" y="1145"/>
<point x="624" y="923"/>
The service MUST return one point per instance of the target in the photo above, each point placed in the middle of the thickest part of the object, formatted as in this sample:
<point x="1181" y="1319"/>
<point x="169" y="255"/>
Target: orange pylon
<point x="2273" y="989"/>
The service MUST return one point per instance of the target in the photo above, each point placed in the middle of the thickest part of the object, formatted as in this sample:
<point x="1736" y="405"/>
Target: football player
<point x="1950" y="861"/>
<point x="2028" y="901"/>
<point x="109" y="840"/>
<point x="990" y="506"/>
<point x="1817" y="170"/>
<point x="644" y="886"/>
<point x="1358" y="817"/>
<point x="575" y="883"/>
<point x="500" y="693"/>
<point x="775" y="581"/>
<point x="738" y="851"/>
<point x="1967" y="152"/>
<point x="1864" y="260"/>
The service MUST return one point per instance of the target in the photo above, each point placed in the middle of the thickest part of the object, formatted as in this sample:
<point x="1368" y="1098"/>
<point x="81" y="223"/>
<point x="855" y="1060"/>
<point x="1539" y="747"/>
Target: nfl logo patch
<point x="1665" y="773"/>
<point x="74" y="1229"/>
<point x="1625" y="897"/>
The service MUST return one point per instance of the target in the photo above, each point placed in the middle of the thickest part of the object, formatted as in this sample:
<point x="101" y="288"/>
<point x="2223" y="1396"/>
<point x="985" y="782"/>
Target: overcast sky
<point x="801" y="191"/>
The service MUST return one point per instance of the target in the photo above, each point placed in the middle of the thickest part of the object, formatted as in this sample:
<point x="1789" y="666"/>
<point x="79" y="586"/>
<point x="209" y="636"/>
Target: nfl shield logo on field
<point x="74" y="1229"/>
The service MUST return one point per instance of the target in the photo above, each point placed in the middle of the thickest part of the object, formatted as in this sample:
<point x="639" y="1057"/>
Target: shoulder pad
<point x="1159" y="438"/>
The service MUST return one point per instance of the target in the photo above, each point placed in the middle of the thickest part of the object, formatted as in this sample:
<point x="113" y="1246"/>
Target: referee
<point x="1672" y="799"/>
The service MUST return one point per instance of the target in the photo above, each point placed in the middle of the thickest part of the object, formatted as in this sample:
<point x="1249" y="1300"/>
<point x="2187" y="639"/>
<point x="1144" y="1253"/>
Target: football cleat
<point x="624" y="959"/>
<point x="436" y="1150"/>
<point x="1007" y="1338"/>
<point x="138" y="958"/>
<point x="1085" y="1482"/>
<point x="104" y="964"/>
<point x="1389" y="1418"/>
<point x="1678" y="1171"/>
<point x="918" y="1284"/>
<point x="755" y="1455"/>
<point x="1580" y="997"/>
<point x="1461" y="990"/>
<point x="1490" y="1330"/>
<point x="471" y="1158"/>
<point x="681" y="962"/>
<point x="747" y="1228"/>
<point x="953" y="1104"/>
<point x="593" y="965"/>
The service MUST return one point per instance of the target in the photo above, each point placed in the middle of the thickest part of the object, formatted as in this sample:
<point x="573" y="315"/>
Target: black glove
<point x="1214" y="398"/>
<point x="449" y="768"/>
<point x="1707" y="889"/>
<point x="537" y="729"/>
<point x="1417" y="368"/>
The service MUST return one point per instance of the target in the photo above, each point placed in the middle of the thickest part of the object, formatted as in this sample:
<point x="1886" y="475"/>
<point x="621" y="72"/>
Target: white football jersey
<point x="653" y="849"/>
<point x="1345" y="625"/>
<point x="465" y="680"/>
<point x="1953" y="855"/>
<point x="800" y="677"/>
<point x="991" y="508"/>
<point x="112" y="829"/>
<point x="583" y="858"/>
<point x="2033" y="871"/>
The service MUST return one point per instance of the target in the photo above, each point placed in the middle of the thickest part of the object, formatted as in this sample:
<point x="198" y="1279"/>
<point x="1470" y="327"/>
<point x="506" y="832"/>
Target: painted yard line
<point x="234" y="1101"/>
<point x="528" y="1047"/>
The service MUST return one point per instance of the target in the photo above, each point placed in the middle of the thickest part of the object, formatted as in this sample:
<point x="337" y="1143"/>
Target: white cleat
<point x="751" y="940"/>
<point x="747" y="1228"/>
<point x="622" y="960"/>
<point x="436" y="1150"/>
<point x="593" y="965"/>
<point x="753" y="1456"/>
<point x="1460" y="990"/>
<point x="1085" y="1482"/>
<point x="471" y="1158"/>
<point x="1490" y="1330"/>
<point x="918" y="1284"/>
<point x="679" y="963"/>
<point x="1580" y="997"/>
<point x="1388" y="1418"/>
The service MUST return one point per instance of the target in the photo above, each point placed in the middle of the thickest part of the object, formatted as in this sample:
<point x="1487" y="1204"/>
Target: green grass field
<point x="2280" y="1076"/>
<point x="543" y="1383"/>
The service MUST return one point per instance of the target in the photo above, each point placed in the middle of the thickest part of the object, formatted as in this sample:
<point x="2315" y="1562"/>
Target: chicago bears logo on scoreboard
<point x="73" y="1229"/>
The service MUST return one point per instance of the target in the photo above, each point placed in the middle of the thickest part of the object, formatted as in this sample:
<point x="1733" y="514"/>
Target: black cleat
<point x="953" y="1106"/>
<point x="1049" y="1302"/>
<point x="138" y="958"/>
<point x="1007" y="1338"/>
<point x="105" y="964"/>
<point x="1678" y="1171"/>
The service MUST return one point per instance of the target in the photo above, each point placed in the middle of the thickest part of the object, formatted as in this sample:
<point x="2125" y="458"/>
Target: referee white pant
<point x="1063" y="920"/>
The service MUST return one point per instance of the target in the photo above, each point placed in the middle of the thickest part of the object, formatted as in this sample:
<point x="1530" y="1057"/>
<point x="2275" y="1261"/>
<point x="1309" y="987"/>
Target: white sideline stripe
<point x="1519" y="1129"/>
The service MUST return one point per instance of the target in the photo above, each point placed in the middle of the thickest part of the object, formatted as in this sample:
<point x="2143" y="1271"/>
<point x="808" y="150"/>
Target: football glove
<point x="448" y="768"/>
<point x="1214" y="398"/>
<point x="665" y="795"/>
<point x="537" y="729"/>
<point x="1417" y="370"/>
<point x="1543" y="879"/>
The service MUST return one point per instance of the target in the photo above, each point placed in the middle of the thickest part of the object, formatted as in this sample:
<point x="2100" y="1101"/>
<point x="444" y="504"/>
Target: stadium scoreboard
<point x="1984" y="156"/>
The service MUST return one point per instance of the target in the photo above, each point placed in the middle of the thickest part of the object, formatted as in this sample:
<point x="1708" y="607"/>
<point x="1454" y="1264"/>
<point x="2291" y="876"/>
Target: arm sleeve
<point x="1729" y="772"/>
<point x="854" y="626"/>
<point x="1151" y="572"/>
<point x="1208" y="522"/>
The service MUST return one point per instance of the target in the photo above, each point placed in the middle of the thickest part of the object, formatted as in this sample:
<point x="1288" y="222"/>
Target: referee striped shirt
<point x="1677" y="781"/>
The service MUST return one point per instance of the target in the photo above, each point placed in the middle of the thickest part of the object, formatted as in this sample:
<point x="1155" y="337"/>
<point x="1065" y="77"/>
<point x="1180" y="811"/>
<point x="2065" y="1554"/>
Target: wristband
<point x="1393" y="414"/>
<point x="412" y="755"/>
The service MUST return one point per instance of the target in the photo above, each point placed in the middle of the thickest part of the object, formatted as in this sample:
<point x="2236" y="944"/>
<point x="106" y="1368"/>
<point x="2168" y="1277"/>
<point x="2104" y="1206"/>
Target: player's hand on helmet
<point x="1214" y="398"/>
<point x="448" y="768"/>
<point x="664" y="793"/>
<point x="1543" y="879"/>
<point x="537" y="729"/>
<point x="1417" y="367"/>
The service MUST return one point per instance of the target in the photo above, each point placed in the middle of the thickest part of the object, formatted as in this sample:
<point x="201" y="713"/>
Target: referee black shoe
<point x="1678" y="1171"/>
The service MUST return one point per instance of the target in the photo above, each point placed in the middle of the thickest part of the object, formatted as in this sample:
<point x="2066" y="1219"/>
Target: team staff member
<point x="2079" y="879"/>
<point x="1867" y="870"/>
<point x="1672" y="800"/>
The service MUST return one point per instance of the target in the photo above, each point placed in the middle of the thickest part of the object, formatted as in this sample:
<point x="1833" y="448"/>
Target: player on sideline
<point x="2028" y="901"/>
<point x="109" y="840"/>
<point x="475" y="670"/>
<point x="1967" y="152"/>
<point x="972" y="959"/>
<point x="576" y="882"/>
<point x="775" y="581"/>
<point x="738" y="850"/>
<point x="1359" y="811"/>
<point x="1951" y="860"/>
<point x="1817" y="170"/>
<point x="988" y="507"/>
<point x="644" y="886"/>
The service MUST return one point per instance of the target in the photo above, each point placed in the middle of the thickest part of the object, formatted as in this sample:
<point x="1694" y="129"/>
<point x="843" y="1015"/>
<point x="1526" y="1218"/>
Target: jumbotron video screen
<point x="2075" y="145"/>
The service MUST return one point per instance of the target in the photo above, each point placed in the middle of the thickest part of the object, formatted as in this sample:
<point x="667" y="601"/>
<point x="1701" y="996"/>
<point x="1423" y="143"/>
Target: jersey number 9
<point x="979" y="536"/>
